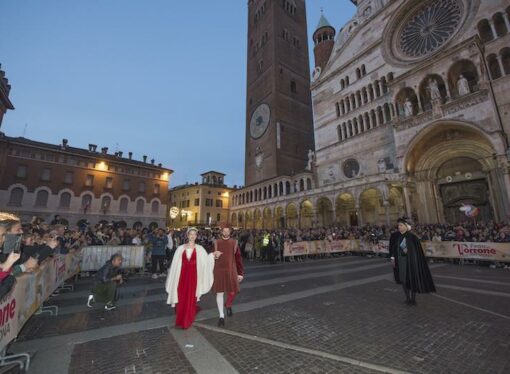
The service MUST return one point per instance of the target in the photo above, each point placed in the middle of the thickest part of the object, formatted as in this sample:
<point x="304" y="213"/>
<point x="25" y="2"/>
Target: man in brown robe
<point x="228" y="272"/>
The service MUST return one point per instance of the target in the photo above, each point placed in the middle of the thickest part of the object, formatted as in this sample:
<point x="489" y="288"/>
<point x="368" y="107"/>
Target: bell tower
<point x="279" y="121"/>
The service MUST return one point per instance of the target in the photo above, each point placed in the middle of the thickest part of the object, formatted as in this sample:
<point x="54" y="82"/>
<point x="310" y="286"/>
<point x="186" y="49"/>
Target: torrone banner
<point x="460" y="250"/>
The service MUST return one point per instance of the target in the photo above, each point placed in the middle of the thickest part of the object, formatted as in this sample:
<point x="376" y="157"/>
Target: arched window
<point x="308" y="184"/>
<point x="505" y="58"/>
<point x="155" y="207"/>
<point x="390" y="77"/>
<point x="123" y="205"/>
<point x="106" y="201"/>
<point x="363" y="70"/>
<point x="301" y="185"/>
<point x="337" y="107"/>
<point x="494" y="68"/>
<point x="41" y="199"/>
<point x="140" y="205"/>
<point x="293" y="87"/>
<point x="65" y="200"/>
<point x="16" y="197"/>
<point x="86" y="201"/>
<point x="358" y="73"/>
<point x="499" y="24"/>
<point x="485" y="31"/>
<point x="460" y="70"/>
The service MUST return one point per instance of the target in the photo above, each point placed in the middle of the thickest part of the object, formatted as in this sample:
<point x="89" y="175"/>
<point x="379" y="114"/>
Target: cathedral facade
<point x="410" y="116"/>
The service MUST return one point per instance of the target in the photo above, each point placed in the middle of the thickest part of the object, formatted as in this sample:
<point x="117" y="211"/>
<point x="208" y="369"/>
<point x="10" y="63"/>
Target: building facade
<point x="200" y="204"/>
<point x="40" y="179"/>
<point x="411" y="116"/>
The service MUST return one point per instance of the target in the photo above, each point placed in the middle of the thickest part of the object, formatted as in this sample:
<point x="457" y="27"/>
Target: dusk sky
<point x="164" y="78"/>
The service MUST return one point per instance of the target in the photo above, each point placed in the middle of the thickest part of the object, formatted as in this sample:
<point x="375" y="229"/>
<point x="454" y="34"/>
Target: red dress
<point x="186" y="308"/>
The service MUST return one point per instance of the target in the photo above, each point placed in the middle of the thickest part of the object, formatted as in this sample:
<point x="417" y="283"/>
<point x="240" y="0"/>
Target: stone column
<point x="407" y="202"/>
<point x="344" y="135"/>
<point x="370" y="120"/>
<point x="358" y="212"/>
<point x="385" y="115"/>
<point x="507" y="21"/>
<point x="357" y="98"/>
<point x="386" y="205"/>
<point x="493" y="28"/>
<point x="380" y="88"/>
<point x="351" y="101"/>
<point x="501" y="66"/>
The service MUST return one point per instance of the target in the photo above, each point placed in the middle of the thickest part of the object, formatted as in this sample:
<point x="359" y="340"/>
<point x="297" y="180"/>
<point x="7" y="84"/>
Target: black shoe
<point x="229" y="312"/>
<point x="221" y="322"/>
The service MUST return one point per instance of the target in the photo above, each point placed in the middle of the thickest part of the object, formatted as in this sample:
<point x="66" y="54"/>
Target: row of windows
<point x="184" y="218"/>
<point x="290" y="7"/>
<point x="260" y="12"/>
<point x="495" y="27"/>
<point x="272" y="190"/>
<point x="74" y="161"/>
<point x="365" y="122"/>
<point x="499" y="64"/>
<point x="45" y="176"/>
<point x="286" y="36"/>
<point x="42" y="196"/>
<point x="208" y="202"/>
<point x="363" y="96"/>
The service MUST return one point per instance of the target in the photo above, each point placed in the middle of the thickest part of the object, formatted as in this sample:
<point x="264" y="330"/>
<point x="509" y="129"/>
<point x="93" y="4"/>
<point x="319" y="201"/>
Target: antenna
<point x="25" y="130"/>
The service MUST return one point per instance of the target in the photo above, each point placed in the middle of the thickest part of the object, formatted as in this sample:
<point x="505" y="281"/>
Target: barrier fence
<point x="30" y="291"/>
<point x="455" y="250"/>
<point x="94" y="257"/>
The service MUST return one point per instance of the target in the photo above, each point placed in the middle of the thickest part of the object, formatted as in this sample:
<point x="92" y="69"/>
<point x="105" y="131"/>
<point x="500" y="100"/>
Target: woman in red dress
<point x="190" y="277"/>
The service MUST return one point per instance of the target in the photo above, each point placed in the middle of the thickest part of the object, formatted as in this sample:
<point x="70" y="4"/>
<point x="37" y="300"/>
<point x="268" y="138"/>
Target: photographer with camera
<point x="107" y="279"/>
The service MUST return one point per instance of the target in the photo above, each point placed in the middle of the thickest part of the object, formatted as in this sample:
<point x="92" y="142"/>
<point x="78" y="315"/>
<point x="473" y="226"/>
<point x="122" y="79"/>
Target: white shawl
<point x="205" y="277"/>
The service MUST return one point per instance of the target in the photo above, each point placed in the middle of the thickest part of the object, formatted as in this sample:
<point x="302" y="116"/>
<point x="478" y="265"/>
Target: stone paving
<point x="287" y="320"/>
<point x="147" y="352"/>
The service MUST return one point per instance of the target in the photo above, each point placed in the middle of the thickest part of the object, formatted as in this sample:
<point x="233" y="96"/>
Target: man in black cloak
<point x="410" y="267"/>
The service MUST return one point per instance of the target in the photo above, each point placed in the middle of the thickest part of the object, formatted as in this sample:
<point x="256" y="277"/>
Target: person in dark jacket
<point x="107" y="279"/>
<point x="409" y="263"/>
<point x="158" y="243"/>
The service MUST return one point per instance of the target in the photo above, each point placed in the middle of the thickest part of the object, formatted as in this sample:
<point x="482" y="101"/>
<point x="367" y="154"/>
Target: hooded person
<point x="228" y="271"/>
<point x="410" y="266"/>
<point x="190" y="277"/>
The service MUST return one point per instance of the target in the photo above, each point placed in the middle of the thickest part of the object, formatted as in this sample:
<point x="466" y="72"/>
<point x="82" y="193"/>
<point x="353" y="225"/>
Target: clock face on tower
<point x="259" y="121"/>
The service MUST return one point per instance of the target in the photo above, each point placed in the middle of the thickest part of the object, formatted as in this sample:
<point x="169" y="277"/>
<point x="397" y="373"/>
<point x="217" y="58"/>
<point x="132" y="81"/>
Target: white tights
<point x="220" y="302"/>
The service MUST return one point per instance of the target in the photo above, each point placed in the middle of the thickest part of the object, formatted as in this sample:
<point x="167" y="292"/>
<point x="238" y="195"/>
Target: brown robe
<point x="225" y="270"/>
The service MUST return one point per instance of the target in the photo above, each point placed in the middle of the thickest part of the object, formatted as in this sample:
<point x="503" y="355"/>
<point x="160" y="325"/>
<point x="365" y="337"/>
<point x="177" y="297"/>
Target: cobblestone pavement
<point x="147" y="352"/>
<point x="324" y="316"/>
<point x="254" y="357"/>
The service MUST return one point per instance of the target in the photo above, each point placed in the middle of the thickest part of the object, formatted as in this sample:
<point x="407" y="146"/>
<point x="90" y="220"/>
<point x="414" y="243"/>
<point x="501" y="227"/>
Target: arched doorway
<point x="324" y="212"/>
<point x="462" y="180"/>
<point x="345" y="208"/>
<point x="396" y="204"/>
<point x="454" y="163"/>
<point x="267" y="218"/>
<point x="292" y="216"/>
<point x="306" y="215"/>
<point x="241" y="220"/>
<point x="370" y="202"/>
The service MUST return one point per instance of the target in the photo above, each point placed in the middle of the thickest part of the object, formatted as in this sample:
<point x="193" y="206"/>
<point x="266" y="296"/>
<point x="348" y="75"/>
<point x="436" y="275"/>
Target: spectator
<point x="158" y="242"/>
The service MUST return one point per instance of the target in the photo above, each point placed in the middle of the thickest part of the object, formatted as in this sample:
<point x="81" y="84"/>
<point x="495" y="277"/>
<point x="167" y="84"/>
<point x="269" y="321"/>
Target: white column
<point x="493" y="28"/>
<point x="344" y="135"/>
<point x="501" y="66"/>
<point x="507" y="21"/>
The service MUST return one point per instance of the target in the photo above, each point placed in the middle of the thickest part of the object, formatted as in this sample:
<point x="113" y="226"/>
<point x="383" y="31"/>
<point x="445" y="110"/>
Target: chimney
<point x="120" y="153"/>
<point x="152" y="161"/>
<point x="130" y="155"/>
<point x="144" y="158"/>
<point x="92" y="147"/>
<point x="104" y="150"/>
<point x="159" y="165"/>
<point x="64" y="143"/>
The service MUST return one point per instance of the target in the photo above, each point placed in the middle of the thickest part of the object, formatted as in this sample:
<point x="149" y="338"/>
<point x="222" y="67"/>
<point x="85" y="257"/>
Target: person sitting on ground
<point x="107" y="279"/>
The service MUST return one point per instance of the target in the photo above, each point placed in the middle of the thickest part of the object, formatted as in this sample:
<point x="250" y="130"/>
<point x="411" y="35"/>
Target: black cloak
<point x="418" y="277"/>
